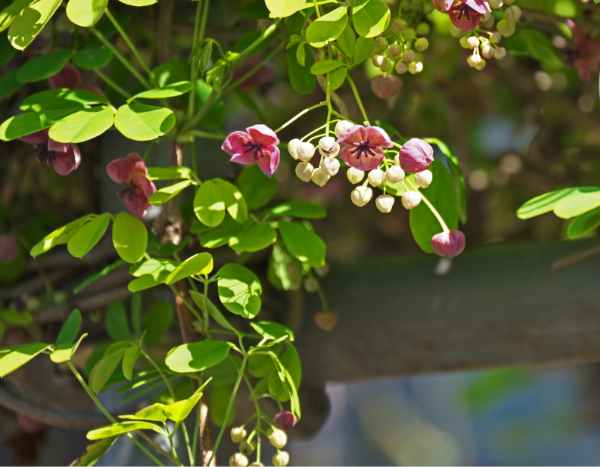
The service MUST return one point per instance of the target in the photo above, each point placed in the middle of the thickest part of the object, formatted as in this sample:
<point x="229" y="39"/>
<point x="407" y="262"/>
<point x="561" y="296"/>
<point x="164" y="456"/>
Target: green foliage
<point x="88" y="235"/>
<point x="86" y="13"/>
<point x="144" y="122"/>
<point x="239" y="290"/>
<point x="130" y="237"/>
<point x="197" y="356"/>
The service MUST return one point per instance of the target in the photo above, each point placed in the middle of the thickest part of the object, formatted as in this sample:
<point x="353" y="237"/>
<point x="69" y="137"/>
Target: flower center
<point x="363" y="149"/>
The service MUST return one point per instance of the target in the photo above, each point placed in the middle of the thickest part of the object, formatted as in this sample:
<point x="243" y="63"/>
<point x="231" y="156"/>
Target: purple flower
<point x="285" y="420"/>
<point x="363" y="146"/>
<point x="416" y="155"/>
<point x="257" y="145"/>
<point x="466" y="14"/>
<point x="69" y="77"/>
<point x="448" y="244"/>
<point x="63" y="157"/>
<point x="132" y="172"/>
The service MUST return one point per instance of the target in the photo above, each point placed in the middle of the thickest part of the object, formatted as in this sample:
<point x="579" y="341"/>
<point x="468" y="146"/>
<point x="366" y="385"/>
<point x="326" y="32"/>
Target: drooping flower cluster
<point x="464" y="14"/>
<point x="62" y="157"/>
<point x="585" y="53"/>
<point x="132" y="172"/>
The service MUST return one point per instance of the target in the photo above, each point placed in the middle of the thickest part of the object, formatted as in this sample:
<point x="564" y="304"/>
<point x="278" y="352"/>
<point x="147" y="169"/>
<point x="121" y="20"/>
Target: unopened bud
<point x="394" y="174"/>
<point x="238" y="434"/>
<point x="304" y="171"/>
<point x="320" y="177"/>
<point x="361" y="195"/>
<point x="355" y="175"/>
<point x="376" y="177"/>
<point x="342" y="127"/>
<point x="278" y="438"/>
<point x="281" y="459"/>
<point x="328" y="146"/>
<point x="238" y="460"/>
<point x="448" y="244"/>
<point x="305" y="151"/>
<point x="293" y="147"/>
<point x="384" y="203"/>
<point x="411" y="199"/>
<point x="424" y="178"/>
<point x="331" y="165"/>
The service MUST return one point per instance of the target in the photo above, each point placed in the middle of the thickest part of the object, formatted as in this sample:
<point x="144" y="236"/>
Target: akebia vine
<point x="197" y="244"/>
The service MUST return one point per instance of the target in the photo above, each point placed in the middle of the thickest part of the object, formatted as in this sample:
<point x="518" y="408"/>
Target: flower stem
<point x="300" y="115"/>
<point x="328" y="102"/>
<point x="120" y="57"/>
<point x="129" y="42"/>
<point x="435" y="213"/>
<point x="199" y="30"/>
<point x="115" y="87"/>
<point x="358" y="100"/>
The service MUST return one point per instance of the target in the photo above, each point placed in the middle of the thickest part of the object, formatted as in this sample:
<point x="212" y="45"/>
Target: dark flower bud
<point x="448" y="244"/>
<point x="285" y="420"/>
<point x="416" y="155"/>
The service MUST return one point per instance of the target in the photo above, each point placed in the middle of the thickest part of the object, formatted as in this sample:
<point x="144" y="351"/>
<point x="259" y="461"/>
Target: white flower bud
<point x="361" y="195"/>
<point x="320" y="177"/>
<point x="473" y="42"/>
<point x="495" y="37"/>
<point x="401" y="68"/>
<point x="376" y="177"/>
<point x="281" y="459"/>
<point x="499" y="53"/>
<point x="355" y="175"/>
<point x="329" y="147"/>
<point x="409" y="56"/>
<point x="342" y="127"/>
<point x="496" y="4"/>
<point x="238" y="460"/>
<point x="278" y="438"/>
<point x="293" y="146"/>
<point x="331" y="165"/>
<point x="424" y="178"/>
<point x="487" y="51"/>
<point x="394" y="174"/>
<point x="411" y="199"/>
<point x="304" y="171"/>
<point x="415" y="67"/>
<point x="306" y="151"/>
<point x="421" y="44"/>
<point x="238" y="434"/>
<point x="384" y="203"/>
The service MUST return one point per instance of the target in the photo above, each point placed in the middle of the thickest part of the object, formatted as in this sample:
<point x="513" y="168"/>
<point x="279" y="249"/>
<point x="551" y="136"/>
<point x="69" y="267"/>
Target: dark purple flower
<point x="63" y="157"/>
<point x="257" y="145"/>
<point x="466" y="14"/>
<point x="449" y="243"/>
<point x="285" y="420"/>
<point x="363" y="146"/>
<point x="416" y="155"/>
<point x="9" y="248"/>
<point x="69" y="77"/>
<point x="132" y="172"/>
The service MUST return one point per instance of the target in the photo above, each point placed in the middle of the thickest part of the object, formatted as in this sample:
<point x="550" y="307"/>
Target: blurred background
<point x="519" y="128"/>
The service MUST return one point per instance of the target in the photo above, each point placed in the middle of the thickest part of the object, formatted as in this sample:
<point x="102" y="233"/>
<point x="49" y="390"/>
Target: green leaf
<point x="180" y="410"/>
<point x="30" y="22"/>
<point x="256" y="187"/>
<point x="139" y="3"/>
<point x="14" y="317"/>
<point x="117" y="325"/>
<point x="198" y="264"/>
<point x="9" y="84"/>
<point x="104" y="369"/>
<point x="337" y="78"/>
<point x="239" y="290"/>
<point x="121" y="428"/>
<point x="157" y="320"/>
<point x="130" y="357"/>
<point x="44" y="66"/>
<point x="271" y="330"/>
<point x="64" y="353"/>
<point x="216" y="196"/>
<point x="285" y="380"/>
<point x="166" y="92"/>
<point x="363" y="49"/>
<point x="69" y="329"/>
<point x="296" y="208"/>
<point x="67" y="100"/>
<point x="59" y="236"/>
<point x="536" y="44"/>
<point x="328" y="27"/>
<point x="167" y="193"/>
<point x="146" y="282"/>
<point x="325" y="66"/>
<point x="584" y="225"/>
<point x="143" y="122"/>
<point x="9" y="13"/>
<point x="169" y="173"/>
<point x="301" y="79"/>
<point x="371" y="18"/>
<point x="206" y="305"/>
<point x="88" y="235"/>
<point x="196" y="356"/>
<point x="346" y="41"/>
<point x="253" y="237"/>
<point x="130" y="237"/>
<point x="29" y="122"/>
<point x="92" y="57"/>
<point x="93" y="452"/>
<point x="15" y="357"/>
<point x="566" y="202"/>
<point x="285" y="8"/>
<point x="303" y="243"/>
<point x="218" y="401"/>
<point x="86" y="13"/>
<point x="284" y="271"/>
<point x="83" y="125"/>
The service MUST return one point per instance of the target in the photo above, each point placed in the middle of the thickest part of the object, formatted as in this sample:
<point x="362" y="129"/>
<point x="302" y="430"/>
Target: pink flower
<point x="63" y="157"/>
<point x="448" y="244"/>
<point x="132" y="172"/>
<point x="363" y="147"/>
<point x="69" y="77"/>
<point x="257" y="145"/>
<point x="416" y="155"/>
<point x="466" y="14"/>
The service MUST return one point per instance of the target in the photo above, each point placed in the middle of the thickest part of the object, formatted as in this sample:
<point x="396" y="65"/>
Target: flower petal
<point x="236" y="142"/>
<point x="243" y="158"/>
<point x="66" y="162"/>
<point x="378" y="136"/>
<point x="121" y="170"/>
<point x="39" y="137"/>
<point x="69" y="77"/>
<point x="263" y="135"/>
<point x="268" y="160"/>
<point x="135" y="201"/>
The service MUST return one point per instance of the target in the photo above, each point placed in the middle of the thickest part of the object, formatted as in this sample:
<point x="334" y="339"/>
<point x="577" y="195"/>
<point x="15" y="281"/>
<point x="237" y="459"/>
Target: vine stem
<point x="199" y="31"/>
<point x="358" y="100"/>
<point x="432" y="208"/>
<point x="300" y="115"/>
<point x="236" y="388"/>
<point x="118" y="89"/>
<point x="120" y="57"/>
<point x="107" y="414"/>
<point x="129" y="42"/>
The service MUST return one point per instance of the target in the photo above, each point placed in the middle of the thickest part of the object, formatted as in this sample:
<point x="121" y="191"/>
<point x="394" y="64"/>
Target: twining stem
<point x="432" y="208"/>
<point x="232" y="398"/>
<point x="107" y="414"/>
<point x="358" y="100"/>
<point x="129" y="42"/>
<point x="328" y="103"/>
<point x="120" y="57"/>
<point x="118" y="89"/>
<point x="300" y="115"/>
<point x="202" y="8"/>
<point x="208" y="135"/>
